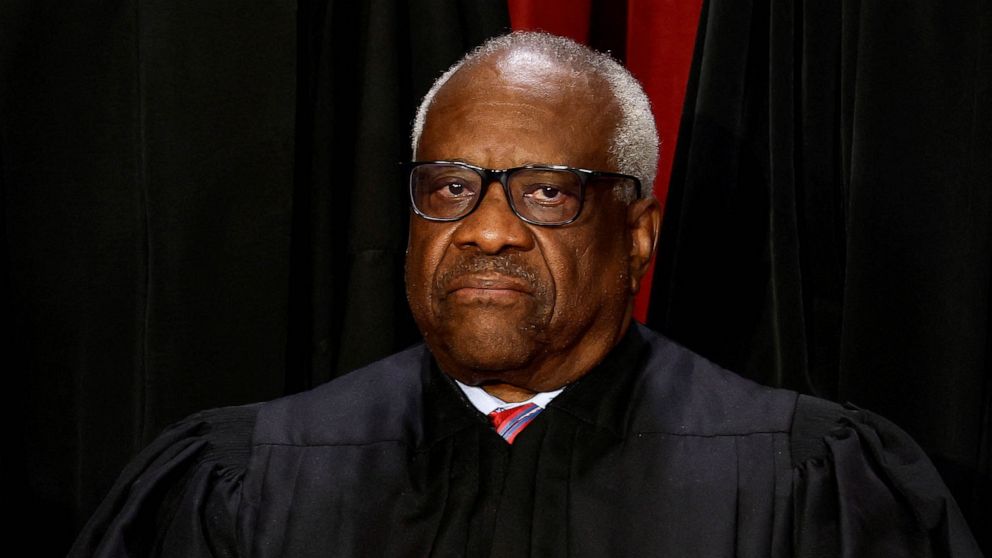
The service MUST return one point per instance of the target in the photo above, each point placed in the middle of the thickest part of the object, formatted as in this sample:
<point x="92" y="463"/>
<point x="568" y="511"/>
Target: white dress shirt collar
<point x="486" y="403"/>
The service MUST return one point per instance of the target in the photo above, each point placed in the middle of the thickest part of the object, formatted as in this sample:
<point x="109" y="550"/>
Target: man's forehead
<point x="521" y="107"/>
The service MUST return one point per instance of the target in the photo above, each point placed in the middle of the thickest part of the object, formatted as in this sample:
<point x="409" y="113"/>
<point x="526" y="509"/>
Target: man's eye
<point x="545" y="194"/>
<point x="548" y="193"/>
<point x="452" y="189"/>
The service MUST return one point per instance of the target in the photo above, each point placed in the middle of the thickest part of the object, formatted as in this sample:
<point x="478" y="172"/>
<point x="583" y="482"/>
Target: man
<point x="532" y="229"/>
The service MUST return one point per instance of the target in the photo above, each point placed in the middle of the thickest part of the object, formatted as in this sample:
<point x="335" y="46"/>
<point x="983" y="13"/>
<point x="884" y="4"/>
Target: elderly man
<point x="536" y="420"/>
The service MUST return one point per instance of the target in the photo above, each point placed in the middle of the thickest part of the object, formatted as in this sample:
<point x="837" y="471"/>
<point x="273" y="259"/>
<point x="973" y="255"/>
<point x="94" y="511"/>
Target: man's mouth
<point x="488" y="280"/>
<point x="487" y="287"/>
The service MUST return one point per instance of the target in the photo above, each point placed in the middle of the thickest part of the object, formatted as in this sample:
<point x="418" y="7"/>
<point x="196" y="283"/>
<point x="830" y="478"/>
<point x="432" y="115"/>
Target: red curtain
<point x="658" y="41"/>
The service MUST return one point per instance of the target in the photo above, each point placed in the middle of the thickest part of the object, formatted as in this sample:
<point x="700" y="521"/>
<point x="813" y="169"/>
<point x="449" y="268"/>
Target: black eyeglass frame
<point x="503" y="177"/>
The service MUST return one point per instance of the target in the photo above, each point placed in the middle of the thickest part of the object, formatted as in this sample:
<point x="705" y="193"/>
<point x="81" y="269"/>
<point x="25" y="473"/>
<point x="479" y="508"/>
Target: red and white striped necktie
<point x="510" y="422"/>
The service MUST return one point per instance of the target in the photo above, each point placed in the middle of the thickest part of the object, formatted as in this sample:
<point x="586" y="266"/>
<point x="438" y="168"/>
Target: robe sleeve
<point x="863" y="487"/>
<point x="180" y="495"/>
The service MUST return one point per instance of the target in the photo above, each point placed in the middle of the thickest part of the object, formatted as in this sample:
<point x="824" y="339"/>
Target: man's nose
<point x="493" y="227"/>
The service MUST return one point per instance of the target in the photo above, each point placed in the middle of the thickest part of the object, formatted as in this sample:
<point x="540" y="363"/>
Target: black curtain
<point x="199" y="209"/>
<point x="829" y="223"/>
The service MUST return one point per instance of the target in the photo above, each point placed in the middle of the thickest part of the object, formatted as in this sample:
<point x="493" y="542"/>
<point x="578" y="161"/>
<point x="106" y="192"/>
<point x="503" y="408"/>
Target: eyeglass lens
<point x="447" y="191"/>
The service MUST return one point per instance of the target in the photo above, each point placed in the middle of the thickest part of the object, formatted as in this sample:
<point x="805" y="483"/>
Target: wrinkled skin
<point x="514" y="307"/>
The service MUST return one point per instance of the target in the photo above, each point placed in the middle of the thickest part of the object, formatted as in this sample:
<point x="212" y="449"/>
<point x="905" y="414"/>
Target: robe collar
<point x="601" y="398"/>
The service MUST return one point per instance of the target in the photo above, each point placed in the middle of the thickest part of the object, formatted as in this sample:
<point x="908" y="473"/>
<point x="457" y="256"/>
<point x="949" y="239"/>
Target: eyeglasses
<point x="540" y="195"/>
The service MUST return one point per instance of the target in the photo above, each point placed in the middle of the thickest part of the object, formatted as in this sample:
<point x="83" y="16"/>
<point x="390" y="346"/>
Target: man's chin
<point x="490" y="352"/>
<point x="485" y="337"/>
<point x="487" y="350"/>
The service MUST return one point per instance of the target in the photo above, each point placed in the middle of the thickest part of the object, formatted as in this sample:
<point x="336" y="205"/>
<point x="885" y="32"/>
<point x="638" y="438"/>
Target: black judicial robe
<point x="656" y="452"/>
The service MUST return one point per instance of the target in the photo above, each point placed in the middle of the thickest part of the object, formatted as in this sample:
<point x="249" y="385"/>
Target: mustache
<point x="509" y="265"/>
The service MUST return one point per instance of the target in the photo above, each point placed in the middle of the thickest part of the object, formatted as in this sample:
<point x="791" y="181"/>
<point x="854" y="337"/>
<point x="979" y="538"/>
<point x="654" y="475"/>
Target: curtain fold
<point x="828" y="223"/>
<point x="145" y="181"/>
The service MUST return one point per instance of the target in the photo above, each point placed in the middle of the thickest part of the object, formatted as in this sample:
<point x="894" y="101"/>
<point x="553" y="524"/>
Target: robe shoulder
<point x="377" y="403"/>
<point x="180" y="495"/>
<point x="679" y="392"/>
<point x="863" y="487"/>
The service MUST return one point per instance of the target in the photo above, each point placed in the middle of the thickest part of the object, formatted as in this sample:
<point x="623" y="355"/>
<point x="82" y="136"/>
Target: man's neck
<point x="507" y="392"/>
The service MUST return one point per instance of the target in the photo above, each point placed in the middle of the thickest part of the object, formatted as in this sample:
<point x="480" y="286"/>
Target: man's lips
<point x="487" y="285"/>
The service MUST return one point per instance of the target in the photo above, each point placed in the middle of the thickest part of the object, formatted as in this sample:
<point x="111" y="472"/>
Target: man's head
<point x="516" y="306"/>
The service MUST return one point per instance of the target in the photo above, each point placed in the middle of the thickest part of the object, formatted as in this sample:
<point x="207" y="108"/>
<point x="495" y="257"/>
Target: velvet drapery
<point x="829" y="222"/>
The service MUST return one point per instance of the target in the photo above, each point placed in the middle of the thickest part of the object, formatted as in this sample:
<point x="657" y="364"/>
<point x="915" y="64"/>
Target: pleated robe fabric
<point x="656" y="452"/>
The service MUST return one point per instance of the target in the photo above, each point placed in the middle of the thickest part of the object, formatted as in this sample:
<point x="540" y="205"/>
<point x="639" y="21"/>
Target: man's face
<point x="500" y="301"/>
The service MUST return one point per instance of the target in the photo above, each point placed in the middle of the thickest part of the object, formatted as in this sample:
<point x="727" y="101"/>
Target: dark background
<point x="194" y="213"/>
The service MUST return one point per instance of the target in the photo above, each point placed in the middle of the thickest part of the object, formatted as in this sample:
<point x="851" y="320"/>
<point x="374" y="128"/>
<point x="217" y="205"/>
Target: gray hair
<point x="634" y="145"/>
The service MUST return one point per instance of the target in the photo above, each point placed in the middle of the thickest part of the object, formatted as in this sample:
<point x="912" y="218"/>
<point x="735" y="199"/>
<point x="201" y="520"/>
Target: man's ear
<point x="644" y="223"/>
